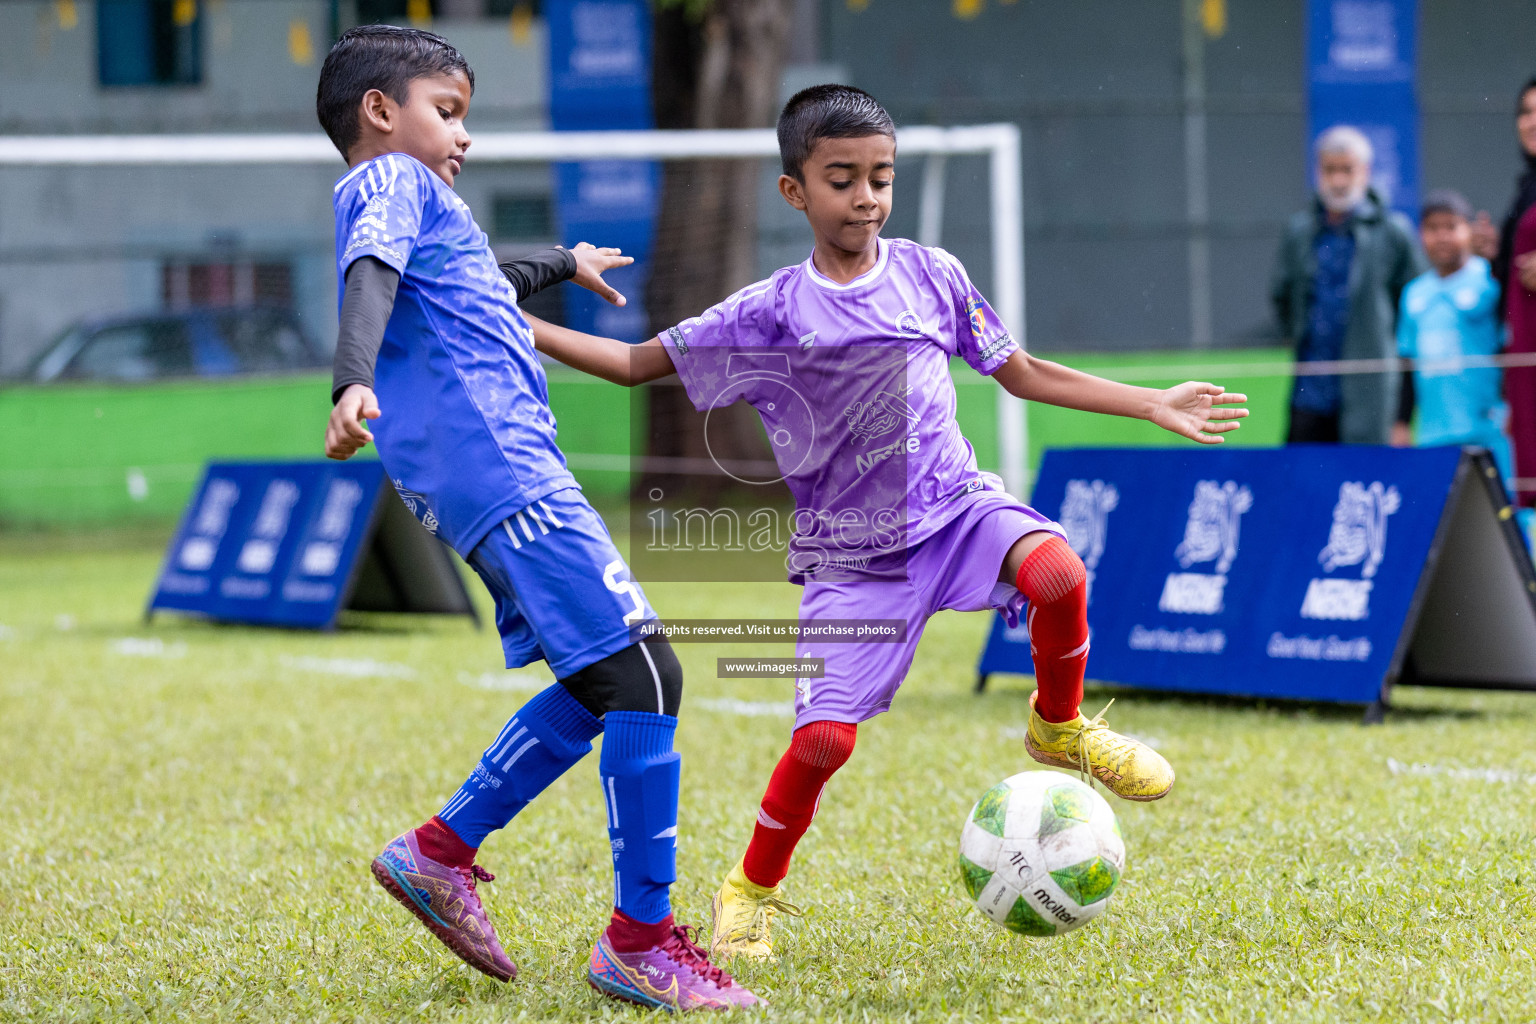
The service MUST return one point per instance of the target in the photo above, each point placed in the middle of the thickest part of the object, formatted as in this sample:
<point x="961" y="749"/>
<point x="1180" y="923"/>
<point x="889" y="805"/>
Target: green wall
<point x="90" y="455"/>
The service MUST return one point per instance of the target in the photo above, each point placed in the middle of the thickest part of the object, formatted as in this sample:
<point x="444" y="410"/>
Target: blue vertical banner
<point x="1362" y="58"/>
<point x="600" y="79"/>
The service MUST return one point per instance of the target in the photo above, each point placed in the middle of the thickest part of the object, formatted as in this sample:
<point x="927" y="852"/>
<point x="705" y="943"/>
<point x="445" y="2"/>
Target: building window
<point x="236" y="283"/>
<point x="149" y="42"/>
<point x="507" y="8"/>
<point x="414" y="11"/>
<point x="518" y="216"/>
<point x="395" y="12"/>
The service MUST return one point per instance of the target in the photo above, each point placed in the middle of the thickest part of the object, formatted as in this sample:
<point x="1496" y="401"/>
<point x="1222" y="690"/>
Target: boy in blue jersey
<point x="434" y="351"/>
<point x="1448" y="313"/>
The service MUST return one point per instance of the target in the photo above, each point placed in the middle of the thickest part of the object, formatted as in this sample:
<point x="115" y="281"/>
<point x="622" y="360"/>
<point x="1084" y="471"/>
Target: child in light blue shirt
<point x="1447" y="314"/>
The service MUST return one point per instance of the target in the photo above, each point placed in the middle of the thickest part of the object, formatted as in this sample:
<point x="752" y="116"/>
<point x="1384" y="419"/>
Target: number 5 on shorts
<point x="618" y="586"/>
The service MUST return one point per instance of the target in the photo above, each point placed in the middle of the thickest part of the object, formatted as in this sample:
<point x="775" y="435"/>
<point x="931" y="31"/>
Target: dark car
<point x="201" y="342"/>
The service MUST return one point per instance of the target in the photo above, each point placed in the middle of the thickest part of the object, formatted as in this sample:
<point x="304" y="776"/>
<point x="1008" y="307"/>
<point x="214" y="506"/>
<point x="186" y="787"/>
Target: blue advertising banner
<point x="600" y="78"/>
<point x="272" y="543"/>
<point x="1361" y="70"/>
<point x="1264" y="573"/>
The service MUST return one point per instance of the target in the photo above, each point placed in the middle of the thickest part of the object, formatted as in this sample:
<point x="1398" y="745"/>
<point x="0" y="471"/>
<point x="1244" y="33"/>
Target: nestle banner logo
<point x="1192" y="593"/>
<point x="1349" y="600"/>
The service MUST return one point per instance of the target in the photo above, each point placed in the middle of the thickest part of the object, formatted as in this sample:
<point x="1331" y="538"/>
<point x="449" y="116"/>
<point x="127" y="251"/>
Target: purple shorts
<point x="955" y="568"/>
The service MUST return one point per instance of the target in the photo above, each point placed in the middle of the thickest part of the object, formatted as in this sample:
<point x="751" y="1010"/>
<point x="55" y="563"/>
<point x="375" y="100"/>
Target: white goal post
<point x="1000" y="143"/>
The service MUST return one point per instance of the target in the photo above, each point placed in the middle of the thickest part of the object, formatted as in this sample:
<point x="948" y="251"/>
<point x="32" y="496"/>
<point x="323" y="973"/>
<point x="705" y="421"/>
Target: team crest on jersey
<point x="908" y="324"/>
<point x="417" y="506"/>
<point x="973" y="311"/>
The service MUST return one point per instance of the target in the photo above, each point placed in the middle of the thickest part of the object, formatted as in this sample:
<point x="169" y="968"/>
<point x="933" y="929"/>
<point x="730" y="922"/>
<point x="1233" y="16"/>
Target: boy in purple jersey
<point x="435" y="353"/>
<point x="846" y="359"/>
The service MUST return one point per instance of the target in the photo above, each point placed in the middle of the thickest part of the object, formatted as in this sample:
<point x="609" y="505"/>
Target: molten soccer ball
<point x="1041" y="853"/>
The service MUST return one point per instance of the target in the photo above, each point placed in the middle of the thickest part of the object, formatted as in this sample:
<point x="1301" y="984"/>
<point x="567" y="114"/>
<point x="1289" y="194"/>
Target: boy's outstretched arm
<point x="607" y="358"/>
<point x="1194" y="410"/>
<point x="583" y="265"/>
<point x="365" y="307"/>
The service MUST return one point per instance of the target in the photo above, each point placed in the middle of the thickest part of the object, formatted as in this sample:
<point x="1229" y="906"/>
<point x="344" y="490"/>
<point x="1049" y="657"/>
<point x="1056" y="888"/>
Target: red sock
<point x="815" y="752"/>
<point x="626" y="935"/>
<point x="1056" y="583"/>
<point x="443" y="844"/>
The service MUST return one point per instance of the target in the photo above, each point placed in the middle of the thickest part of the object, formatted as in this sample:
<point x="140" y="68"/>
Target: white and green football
<point x="1041" y="853"/>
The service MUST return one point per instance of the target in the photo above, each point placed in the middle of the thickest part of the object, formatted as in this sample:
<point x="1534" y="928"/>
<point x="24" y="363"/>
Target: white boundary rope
<point x="1319" y="368"/>
<point x="1000" y="142"/>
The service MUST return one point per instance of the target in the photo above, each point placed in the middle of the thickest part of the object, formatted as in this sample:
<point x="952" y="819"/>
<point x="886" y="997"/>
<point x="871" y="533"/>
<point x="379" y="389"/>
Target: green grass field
<point x="188" y="813"/>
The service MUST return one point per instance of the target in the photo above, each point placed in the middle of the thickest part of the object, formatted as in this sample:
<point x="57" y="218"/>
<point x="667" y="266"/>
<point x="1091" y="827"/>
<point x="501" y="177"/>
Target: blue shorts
<point x="563" y="592"/>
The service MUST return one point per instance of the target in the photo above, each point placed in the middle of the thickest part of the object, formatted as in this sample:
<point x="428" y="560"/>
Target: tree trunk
<point x="718" y="71"/>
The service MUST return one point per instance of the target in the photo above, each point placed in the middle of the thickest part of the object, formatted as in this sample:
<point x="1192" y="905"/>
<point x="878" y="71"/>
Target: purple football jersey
<point x="852" y="383"/>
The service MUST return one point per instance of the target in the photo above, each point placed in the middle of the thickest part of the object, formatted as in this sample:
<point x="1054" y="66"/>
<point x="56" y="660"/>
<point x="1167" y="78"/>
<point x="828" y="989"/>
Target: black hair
<point x="1446" y="200"/>
<point x="827" y="112"/>
<point x="383" y="57"/>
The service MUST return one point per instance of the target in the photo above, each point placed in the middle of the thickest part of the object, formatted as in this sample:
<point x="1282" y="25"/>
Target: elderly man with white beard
<point x="1342" y="266"/>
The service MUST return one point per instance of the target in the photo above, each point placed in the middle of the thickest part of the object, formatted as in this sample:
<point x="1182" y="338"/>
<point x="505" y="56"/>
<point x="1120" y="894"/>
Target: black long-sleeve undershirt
<point x="365" y="308"/>
<point x="543" y="269"/>
<point x="369" y="299"/>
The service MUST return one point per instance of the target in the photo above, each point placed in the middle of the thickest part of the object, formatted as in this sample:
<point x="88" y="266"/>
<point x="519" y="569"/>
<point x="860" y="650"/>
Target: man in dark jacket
<point x="1342" y="265"/>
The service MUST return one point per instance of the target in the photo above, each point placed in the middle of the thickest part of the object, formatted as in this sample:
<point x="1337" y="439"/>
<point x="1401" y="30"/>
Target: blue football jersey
<point x="466" y="433"/>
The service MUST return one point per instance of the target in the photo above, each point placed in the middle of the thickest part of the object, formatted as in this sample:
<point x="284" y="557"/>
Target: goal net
<point x="196" y="261"/>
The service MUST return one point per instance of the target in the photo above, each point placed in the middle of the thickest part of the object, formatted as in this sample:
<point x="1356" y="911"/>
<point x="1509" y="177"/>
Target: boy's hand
<point x="591" y="262"/>
<point x="1192" y="410"/>
<point x="1485" y="237"/>
<point x="345" y="433"/>
<point x="1402" y="435"/>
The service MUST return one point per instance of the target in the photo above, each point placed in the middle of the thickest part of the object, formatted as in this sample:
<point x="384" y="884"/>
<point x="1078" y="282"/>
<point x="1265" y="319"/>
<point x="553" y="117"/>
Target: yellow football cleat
<point x="1127" y="768"/>
<point x="743" y="915"/>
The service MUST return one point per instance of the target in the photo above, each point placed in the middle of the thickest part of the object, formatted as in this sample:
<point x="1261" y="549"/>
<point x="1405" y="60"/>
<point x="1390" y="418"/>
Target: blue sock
<point x="546" y="737"/>
<point x="640" y="774"/>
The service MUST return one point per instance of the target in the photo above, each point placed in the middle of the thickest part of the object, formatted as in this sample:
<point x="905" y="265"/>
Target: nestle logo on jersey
<point x="880" y="415"/>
